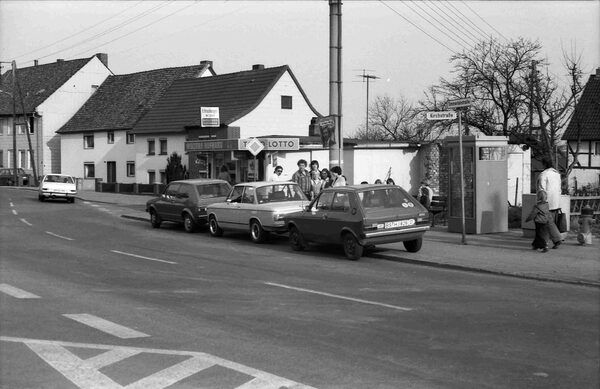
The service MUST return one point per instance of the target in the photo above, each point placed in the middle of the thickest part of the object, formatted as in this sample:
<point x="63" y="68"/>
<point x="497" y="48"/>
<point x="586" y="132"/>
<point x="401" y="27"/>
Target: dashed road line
<point x="16" y="292"/>
<point x="339" y="296"/>
<point x="85" y="373"/>
<point x="58" y="236"/>
<point x="11" y="204"/>
<point x="14" y="211"/>
<point x="142" y="257"/>
<point x="26" y="222"/>
<point x="106" y="326"/>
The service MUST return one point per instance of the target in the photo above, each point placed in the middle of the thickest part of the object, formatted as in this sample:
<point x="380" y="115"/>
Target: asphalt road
<point x="91" y="300"/>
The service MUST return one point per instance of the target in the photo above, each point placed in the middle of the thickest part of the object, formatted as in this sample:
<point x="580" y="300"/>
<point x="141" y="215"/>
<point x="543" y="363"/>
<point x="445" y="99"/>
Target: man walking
<point x="549" y="181"/>
<point x="302" y="178"/>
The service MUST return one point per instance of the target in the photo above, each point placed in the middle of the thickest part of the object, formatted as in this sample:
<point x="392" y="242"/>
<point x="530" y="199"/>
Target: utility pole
<point x="14" y="124"/>
<point x="531" y="78"/>
<point x="27" y="129"/>
<point x="335" y="81"/>
<point x="367" y="77"/>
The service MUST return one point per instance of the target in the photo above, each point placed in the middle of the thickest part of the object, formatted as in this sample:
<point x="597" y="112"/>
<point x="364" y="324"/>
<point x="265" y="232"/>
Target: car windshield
<point x="391" y="197"/>
<point x="213" y="190"/>
<point x="279" y="193"/>
<point x="62" y="179"/>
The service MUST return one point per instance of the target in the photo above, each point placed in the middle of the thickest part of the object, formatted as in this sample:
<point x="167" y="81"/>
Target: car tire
<point x="257" y="233"/>
<point x="412" y="246"/>
<point x="71" y="200"/>
<point x="352" y="248"/>
<point x="41" y="198"/>
<point x="188" y="223"/>
<point x="213" y="227"/>
<point x="296" y="240"/>
<point x="154" y="219"/>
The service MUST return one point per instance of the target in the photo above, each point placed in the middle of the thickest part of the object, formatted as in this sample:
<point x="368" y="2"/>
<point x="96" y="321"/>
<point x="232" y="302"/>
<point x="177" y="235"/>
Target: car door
<point x="228" y="214"/>
<point x="338" y="217"/>
<point x="181" y="200"/>
<point x="247" y="207"/>
<point x="314" y="225"/>
<point x="165" y="206"/>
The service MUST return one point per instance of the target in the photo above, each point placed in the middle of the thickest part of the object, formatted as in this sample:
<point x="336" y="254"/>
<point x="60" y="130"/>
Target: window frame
<point x="163" y="141"/>
<point x="151" y="146"/>
<point x="86" y="143"/>
<point x="110" y="137"/>
<point x="130" y="168"/>
<point x="85" y="171"/>
<point x="287" y="102"/>
<point x="129" y="137"/>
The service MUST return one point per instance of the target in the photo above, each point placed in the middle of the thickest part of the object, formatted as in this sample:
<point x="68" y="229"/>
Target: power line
<point x="462" y="16"/>
<point x="479" y="16"/>
<point x="79" y="32"/>
<point x="461" y="28"/>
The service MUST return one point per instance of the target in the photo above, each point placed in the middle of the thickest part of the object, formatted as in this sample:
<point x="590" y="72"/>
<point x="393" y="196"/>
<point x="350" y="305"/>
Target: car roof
<point x="257" y="184"/>
<point x="58" y="174"/>
<point x="360" y="187"/>
<point x="195" y="181"/>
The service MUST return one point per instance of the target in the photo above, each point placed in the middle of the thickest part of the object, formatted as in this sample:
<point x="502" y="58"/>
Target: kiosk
<point x="485" y="179"/>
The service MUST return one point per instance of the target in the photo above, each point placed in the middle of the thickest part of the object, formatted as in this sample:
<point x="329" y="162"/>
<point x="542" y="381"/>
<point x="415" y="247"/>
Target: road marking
<point x="16" y="292"/>
<point x="58" y="236"/>
<point x="11" y="204"/>
<point x="142" y="257"/>
<point x="14" y="211"/>
<point x="106" y="326"/>
<point x="85" y="373"/>
<point x="26" y="222"/>
<point x="339" y="296"/>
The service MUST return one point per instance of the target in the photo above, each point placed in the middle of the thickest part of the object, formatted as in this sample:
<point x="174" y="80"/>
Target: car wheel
<point x="71" y="200"/>
<point x="352" y="248"/>
<point x="412" y="246"/>
<point x="257" y="233"/>
<point x="154" y="219"/>
<point x="188" y="223"/>
<point x="41" y="198"/>
<point x="213" y="227"/>
<point x="296" y="240"/>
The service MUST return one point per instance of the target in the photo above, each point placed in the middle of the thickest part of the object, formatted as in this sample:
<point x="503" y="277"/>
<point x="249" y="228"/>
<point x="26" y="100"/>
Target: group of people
<point x="312" y="181"/>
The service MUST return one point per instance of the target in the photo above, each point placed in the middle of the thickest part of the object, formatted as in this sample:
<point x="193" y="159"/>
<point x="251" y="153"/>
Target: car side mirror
<point x="307" y="208"/>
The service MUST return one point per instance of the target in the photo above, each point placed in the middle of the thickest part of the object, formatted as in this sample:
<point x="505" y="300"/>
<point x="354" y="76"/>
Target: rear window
<point x="392" y="197"/>
<point x="60" y="179"/>
<point x="213" y="190"/>
<point x="278" y="193"/>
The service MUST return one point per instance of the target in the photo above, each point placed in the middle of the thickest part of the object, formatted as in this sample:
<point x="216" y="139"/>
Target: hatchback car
<point x="7" y="176"/>
<point x="185" y="202"/>
<point x="57" y="186"/>
<point x="257" y="207"/>
<point x="360" y="216"/>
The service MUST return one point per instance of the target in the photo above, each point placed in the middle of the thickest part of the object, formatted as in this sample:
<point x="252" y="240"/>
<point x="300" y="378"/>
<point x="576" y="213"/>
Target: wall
<point x="519" y="173"/>
<point x="372" y="164"/>
<point x="62" y="105"/>
<point x="145" y="162"/>
<point x="269" y="119"/>
<point x="587" y="157"/>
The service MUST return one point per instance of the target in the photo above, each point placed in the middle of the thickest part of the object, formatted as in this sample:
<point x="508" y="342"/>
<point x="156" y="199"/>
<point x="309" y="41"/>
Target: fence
<point x="578" y="202"/>
<point x="144" y="189"/>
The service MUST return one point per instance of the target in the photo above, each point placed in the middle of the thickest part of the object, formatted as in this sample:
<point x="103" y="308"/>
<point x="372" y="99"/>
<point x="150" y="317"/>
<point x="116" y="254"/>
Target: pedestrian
<point x="425" y="195"/>
<point x="378" y="181"/>
<point x="540" y="214"/>
<point x="278" y="174"/>
<point x="325" y="178"/>
<point x="316" y="184"/>
<point x="224" y="174"/>
<point x="314" y="166"/>
<point x="337" y="178"/>
<point x="550" y="182"/>
<point x="389" y="181"/>
<point x="302" y="178"/>
<point x="585" y="226"/>
<point x="364" y="182"/>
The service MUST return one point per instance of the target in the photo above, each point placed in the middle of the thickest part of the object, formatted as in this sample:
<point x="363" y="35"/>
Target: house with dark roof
<point x="46" y="97"/>
<point x="98" y="141"/>
<point x="583" y="136"/>
<point x="264" y="103"/>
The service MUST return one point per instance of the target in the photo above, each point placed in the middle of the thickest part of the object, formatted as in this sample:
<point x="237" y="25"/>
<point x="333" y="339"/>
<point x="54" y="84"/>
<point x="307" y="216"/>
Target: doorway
<point x="111" y="171"/>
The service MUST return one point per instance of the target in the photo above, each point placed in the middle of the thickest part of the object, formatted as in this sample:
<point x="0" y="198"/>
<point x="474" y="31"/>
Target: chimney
<point x="35" y="62"/>
<point x="206" y="63"/>
<point x="258" y="67"/>
<point x="60" y="60"/>
<point x="103" y="57"/>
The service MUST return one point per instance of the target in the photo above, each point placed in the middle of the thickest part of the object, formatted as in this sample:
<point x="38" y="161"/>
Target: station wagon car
<point x="360" y="216"/>
<point x="55" y="186"/>
<point x="185" y="201"/>
<point x="257" y="207"/>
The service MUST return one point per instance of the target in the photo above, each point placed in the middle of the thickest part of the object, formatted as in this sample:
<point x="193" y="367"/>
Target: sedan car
<point x="57" y="186"/>
<point x="257" y="207"/>
<point x="360" y="216"/>
<point x="185" y="202"/>
<point x="7" y="176"/>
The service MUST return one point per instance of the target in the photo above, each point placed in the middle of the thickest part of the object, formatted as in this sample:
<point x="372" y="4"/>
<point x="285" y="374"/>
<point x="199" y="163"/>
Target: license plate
<point x="399" y="223"/>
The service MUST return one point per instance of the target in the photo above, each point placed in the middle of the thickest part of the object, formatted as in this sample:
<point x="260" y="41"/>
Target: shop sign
<point x="211" y="145"/>
<point x="209" y="117"/>
<point x="280" y="144"/>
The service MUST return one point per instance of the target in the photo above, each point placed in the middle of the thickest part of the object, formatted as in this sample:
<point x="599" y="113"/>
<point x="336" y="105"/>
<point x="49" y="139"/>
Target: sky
<point x="407" y="44"/>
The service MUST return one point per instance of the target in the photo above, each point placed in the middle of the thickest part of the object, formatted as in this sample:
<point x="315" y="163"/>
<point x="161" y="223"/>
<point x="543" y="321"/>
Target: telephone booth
<point x="485" y="172"/>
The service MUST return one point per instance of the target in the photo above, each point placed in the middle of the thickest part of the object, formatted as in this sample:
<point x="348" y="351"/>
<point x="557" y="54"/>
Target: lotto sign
<point x="254" y="146"/>
<point x="209" y="117"/>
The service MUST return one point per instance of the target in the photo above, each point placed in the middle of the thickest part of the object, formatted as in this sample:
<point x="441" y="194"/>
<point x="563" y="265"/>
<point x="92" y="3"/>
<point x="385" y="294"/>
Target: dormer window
<point x="286" y="102"/>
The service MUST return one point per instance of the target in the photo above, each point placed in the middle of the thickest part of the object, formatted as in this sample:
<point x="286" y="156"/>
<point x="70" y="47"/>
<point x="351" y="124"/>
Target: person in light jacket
<point x="550" y="182"/>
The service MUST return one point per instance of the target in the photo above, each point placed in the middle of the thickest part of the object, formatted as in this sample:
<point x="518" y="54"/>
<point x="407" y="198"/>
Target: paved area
<point x="507" y="253"/>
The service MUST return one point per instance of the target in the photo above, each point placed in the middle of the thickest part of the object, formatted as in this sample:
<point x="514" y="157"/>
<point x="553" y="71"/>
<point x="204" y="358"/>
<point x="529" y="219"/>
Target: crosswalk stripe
<point x="16" y="292"/>
<point x="110" y="357"/>
<point x="172" y="374"/>
<point x="26" y="222"/>
<point x="106" y="326"/>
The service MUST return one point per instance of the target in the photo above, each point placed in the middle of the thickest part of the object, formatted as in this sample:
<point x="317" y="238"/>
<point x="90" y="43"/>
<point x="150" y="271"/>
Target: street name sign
<point x="209" y="117"/>
<point x="441" y="115"/>
<point x="458" y="103"/>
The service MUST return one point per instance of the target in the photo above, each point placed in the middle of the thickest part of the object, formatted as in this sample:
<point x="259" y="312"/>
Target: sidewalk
<point x="505" y="253"/>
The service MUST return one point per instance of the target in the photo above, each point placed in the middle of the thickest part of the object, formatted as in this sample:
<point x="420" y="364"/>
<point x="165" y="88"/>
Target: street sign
<point x="209" y="117"/>
<point x="458" y="103"/>
<point x="254" y="146"/>
<point x="441" y="115"/>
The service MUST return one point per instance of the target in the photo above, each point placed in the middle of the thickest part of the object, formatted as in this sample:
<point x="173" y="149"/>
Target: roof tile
<point x="586" y="118"/>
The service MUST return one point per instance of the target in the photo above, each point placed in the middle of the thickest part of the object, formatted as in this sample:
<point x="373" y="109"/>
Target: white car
<point x="57" y="186"/>
<point x="257" y="207"/>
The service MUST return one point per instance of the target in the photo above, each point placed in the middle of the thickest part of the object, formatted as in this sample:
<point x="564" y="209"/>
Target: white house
<point x="51" y="94"/>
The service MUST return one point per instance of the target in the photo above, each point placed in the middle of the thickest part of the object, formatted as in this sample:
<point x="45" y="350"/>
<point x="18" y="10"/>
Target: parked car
<point x="257" y="207"/>
<point x="360" y="216"/>
<point x="185" y="202"/>
<point x="57" y="186"/>
<point x="7" y="176"/>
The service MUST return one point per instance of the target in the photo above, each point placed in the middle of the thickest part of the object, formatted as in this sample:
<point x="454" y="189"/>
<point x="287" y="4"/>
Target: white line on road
<point x="58" y="236"/>
<point x="26" y="222"/>
<point x="339" y="297"/>
<point x="12" y="205"/>
<point x="106" y="326"/>
<point x="142" y="257"/>
<point x="14" y="211"/>
<point x="16" y="292"/>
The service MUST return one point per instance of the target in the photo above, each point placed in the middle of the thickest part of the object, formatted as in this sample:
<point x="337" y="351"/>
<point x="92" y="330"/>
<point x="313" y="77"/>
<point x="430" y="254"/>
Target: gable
<point x="585" y="123"/>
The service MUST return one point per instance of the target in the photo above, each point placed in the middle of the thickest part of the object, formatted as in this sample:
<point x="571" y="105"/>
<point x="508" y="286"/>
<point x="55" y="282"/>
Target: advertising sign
<point x="209" y="117"/>
<point x="327" y="128"/>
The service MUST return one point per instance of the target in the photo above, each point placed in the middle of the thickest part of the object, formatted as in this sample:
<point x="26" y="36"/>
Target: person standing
<point x="314" y="166"/>
<point x="316" y="184"/>
<point x="337" y="178"/>
<point x="325" y="178"/>
<point x="278" y="176"/>
<point x="224" y="174"/>
<point x="540" y="214"/>
<point x="302" y="178"/>
<point x="549" y="181"/>
<point x="425" y="195"/>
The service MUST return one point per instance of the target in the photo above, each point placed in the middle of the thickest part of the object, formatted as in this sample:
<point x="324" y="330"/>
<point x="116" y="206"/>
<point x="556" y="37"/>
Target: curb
<point x="139" y="218"/>
<point x="449" y="266"/>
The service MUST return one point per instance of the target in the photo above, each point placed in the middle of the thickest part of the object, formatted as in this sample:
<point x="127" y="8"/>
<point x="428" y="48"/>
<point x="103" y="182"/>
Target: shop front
<point x="241" y="160"/>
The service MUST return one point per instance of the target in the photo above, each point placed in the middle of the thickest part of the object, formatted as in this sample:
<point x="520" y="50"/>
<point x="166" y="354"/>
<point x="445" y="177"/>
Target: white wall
<point x="372" y="164"/>
<point x="269" y="119"/>
<point x="145" y="162"/>
<point x="585" y="176"/>
<point x="62" y="105"/>
<point x="519" y="173"/>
